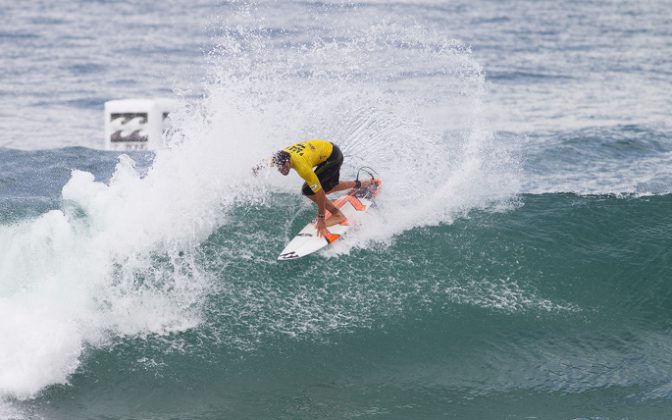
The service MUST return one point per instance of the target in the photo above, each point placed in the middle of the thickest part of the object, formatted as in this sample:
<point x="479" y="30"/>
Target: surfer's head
<point x="281" y="161"/>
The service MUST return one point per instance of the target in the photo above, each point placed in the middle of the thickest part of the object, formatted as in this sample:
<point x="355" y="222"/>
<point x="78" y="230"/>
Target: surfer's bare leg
<point x="336" y="215"/>
<point x="343" y="185"/>
<point x="346" y="185"/>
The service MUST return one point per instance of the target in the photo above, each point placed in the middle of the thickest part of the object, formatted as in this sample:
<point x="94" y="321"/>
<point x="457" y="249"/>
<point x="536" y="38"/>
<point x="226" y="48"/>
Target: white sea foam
<point x="119" y="258"/>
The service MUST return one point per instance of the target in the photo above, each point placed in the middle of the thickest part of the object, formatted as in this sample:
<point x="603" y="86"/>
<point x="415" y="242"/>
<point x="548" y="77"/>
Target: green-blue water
<point x="556" y="308"/>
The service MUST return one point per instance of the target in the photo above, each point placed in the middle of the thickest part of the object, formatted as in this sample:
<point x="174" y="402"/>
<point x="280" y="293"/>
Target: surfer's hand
<point x="321" y="228"/>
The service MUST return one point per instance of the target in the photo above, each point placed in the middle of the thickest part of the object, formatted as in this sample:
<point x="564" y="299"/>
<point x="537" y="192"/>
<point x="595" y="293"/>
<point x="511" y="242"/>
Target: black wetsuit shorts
<point x="328" y="172"/>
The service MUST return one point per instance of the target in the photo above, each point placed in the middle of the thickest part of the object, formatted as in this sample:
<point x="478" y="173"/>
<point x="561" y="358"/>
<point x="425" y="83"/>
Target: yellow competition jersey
<point x="305" y="156"/>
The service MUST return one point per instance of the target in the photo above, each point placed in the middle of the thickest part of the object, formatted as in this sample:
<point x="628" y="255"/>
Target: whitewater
<point x="515" y="265"/>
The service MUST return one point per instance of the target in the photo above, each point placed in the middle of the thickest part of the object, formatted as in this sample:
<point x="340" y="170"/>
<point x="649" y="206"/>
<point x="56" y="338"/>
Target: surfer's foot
<point x="365" y="183"/>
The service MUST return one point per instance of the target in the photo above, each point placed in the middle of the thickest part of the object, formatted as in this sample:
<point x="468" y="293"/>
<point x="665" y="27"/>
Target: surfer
<point x="326" y="159"/>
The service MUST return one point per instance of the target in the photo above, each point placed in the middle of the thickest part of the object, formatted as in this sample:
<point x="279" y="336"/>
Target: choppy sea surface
<point x="517" y="265"/>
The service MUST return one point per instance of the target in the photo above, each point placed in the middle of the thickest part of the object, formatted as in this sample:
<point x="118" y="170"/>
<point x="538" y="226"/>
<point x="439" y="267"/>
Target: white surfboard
<point x="352" y="204"/>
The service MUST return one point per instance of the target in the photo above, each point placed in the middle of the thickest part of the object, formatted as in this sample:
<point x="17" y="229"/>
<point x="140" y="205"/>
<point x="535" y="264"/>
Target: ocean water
<point x="517" y="264"/>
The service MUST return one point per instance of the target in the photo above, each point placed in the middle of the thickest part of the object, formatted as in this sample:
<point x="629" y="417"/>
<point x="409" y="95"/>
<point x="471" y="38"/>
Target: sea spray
<point x="402" y="99"/>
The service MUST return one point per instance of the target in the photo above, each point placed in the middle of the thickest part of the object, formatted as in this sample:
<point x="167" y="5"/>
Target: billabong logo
<point x="129" y="127"/>
<point x="288" y="256"/>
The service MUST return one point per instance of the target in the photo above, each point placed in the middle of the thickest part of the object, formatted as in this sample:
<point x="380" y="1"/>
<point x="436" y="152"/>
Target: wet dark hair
<point x="280" y="157"/>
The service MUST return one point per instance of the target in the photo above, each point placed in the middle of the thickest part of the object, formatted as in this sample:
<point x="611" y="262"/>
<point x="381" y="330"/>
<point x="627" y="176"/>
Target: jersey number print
<point x="297" y="148"/>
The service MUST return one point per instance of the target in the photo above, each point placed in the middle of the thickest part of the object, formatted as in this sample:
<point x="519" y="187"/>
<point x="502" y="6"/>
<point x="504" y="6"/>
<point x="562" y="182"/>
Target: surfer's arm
<point x="320" y="197"/>
<point x="321" y="200"/>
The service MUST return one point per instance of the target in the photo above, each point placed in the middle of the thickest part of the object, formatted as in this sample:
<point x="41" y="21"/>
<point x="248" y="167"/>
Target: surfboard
<point x="354" y="203"/>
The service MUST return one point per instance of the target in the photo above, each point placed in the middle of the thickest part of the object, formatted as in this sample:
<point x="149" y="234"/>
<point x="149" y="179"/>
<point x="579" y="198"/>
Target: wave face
<point x="516" y="264"/>
<point x="557" y="303"/>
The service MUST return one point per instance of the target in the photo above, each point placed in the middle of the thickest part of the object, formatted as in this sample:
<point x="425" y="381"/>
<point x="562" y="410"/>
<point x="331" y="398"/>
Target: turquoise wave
<point x="558" y="308"/>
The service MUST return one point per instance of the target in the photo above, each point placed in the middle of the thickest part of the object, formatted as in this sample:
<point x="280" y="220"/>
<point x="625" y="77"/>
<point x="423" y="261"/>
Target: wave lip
<point x="620" y="160"/>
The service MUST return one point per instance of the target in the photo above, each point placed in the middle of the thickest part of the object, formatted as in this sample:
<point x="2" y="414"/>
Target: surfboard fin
<point x="332" y="237"/>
